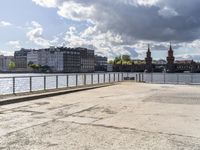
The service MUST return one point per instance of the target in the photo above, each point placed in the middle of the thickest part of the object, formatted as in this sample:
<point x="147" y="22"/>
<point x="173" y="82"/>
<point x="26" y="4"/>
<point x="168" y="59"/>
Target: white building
<point x="4" y="62"/>
<point x="33" y="57"/>
<point x="54" y="59"/>
<point x="51" y="57"/>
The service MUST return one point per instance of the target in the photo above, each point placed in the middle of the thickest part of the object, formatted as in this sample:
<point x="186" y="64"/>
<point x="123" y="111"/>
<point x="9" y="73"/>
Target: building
<point x="71" y="60"/>
<point x="148" y="60"/>
<point x="161" y="62"/>
<point x="109" y="67"/>
<point x="33" y="57"/>
<point x="4" y="62"/>
<point x="101" y="63"/>
<point x="20" y="59"/>
<point x="87" y="60"/>
<point x="170" y="60"/>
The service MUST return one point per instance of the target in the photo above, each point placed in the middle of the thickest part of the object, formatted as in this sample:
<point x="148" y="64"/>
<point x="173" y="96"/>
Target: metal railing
<point x="172" y="78"/>
<point x="21" y="84"/>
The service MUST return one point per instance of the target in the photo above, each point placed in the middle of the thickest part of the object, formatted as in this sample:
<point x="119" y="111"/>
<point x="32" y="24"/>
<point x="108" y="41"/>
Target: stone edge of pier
<point x="29" y="97"/>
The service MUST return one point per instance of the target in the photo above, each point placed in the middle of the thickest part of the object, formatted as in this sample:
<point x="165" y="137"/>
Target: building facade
<point x="87" y="60"/>
<point x="101" y="63"/>
<point x="4" y="62"/>
<point x="170" y="60"/>
<point x="148" y="60"/>
<point x="20" y="59"/>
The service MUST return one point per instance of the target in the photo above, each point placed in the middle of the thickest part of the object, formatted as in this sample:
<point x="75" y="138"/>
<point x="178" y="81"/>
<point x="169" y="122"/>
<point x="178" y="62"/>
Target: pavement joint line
<point x="50" y="120"/>
<point x="50" y="94"/>
<point x="132" y="129"/>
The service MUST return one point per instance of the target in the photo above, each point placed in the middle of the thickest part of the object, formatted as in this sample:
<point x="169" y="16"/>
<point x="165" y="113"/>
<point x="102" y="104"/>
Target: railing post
<point x="98" y="79"/>
<point x="44" y="82"/>
<point x="191" y="78"/>
<point x="84" y="78"/>
<point x="164" y="78"/>
<point x="67" y="80"/>
<point x="13" y="85"/>
<point x="92" y="79"/>
<point x="142" y="77"/>
<point x="139" y="77"/>
<point x="30" y="83"/>
<point x="136" y="78"/>
<point x="56" y="81"/>
<point x="118" y="76"/>
<point x="151" y="77"/>
<point x="177" y="78"/>
<point x="76" y="80"/>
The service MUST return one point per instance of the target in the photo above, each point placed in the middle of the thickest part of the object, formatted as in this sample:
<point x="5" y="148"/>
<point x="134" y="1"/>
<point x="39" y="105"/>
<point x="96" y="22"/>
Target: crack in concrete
<point x="51" y="120"/>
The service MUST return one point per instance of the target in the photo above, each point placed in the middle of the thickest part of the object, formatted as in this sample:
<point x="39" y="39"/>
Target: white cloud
<point x="35" y="35"/>
<point x="14" y="44"/>
<point x="4" y="23"/>
<point x="167" y="12"/>
<point x="106" y="44"/>
<point x="46" y="3"/>
<point x="76" y="11"/>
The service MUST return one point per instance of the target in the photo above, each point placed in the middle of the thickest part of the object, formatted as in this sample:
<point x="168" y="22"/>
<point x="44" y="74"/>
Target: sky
<point x="110" y="27"/>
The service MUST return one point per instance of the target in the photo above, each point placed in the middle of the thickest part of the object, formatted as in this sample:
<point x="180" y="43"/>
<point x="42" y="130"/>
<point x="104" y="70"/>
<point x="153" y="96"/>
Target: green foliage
<point x="11" y="65"/>
<point x="111" y="62"/>
<point x="124" y="60"/>
<point x="34" y="66"/>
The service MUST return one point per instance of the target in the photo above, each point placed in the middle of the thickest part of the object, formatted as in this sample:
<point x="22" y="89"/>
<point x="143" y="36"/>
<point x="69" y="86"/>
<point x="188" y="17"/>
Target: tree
<point x="126" y="58"/>
<point x="111" y="62"/>
<point x="30" y="63"/>
<point x="11" y="65"/>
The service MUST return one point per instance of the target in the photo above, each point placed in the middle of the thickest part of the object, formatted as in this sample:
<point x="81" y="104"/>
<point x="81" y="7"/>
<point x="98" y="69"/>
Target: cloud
<point x="167" y="12"/>
<point x="14" y="44"/>
<point x="46" y="3"/>
<point x="35" y="35"/>
<point x="4" y="23"/>
<point x="116" y="25"/>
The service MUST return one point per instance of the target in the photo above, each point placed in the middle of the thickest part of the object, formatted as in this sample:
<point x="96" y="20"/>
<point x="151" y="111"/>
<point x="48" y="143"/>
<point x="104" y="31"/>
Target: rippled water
<point x="35" y="82"/>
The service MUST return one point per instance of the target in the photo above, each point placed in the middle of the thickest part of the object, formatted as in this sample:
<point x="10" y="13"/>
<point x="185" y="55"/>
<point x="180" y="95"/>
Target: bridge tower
<point x="170" y="60"/>
<point x="148" y="60"/>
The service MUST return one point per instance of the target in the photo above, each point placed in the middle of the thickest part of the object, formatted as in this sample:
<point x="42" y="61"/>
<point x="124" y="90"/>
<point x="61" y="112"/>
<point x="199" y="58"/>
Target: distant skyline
<point x="110" y="27"/>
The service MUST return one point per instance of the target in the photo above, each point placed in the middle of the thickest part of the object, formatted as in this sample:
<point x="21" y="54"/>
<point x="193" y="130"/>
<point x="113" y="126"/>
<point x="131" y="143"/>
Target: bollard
<point x="67" y="80"/>
<point x="109" y="78"/>
<point x="98" y="78"/>
<point x="104" y="78"/>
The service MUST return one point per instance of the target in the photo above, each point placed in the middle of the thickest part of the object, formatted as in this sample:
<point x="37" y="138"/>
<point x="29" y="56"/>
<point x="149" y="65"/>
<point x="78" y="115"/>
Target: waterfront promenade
<point x="127" y="115"/>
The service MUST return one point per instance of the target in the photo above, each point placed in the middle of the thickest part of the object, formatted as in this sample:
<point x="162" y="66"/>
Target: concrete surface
<point x="126" y="116"/>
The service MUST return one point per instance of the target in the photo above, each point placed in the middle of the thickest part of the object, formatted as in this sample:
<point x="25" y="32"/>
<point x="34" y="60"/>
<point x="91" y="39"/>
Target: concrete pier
<point x="128" y="115"/>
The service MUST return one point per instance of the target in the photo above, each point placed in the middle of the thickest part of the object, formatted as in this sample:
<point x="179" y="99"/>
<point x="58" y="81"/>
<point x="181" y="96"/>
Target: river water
<point x="38" y="82"/>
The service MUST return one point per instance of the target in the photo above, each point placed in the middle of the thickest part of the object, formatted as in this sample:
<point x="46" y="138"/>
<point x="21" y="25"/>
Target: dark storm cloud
<point x="134" y="20"/>
<point x="145" y="22"/>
